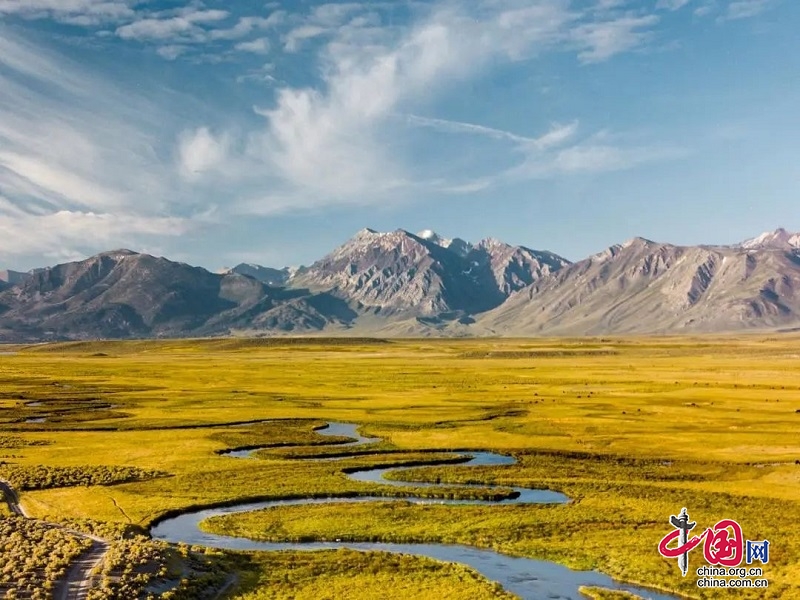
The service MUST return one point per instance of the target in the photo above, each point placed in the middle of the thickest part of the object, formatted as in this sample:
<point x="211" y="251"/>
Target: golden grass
<point x="332" y="576"/>
<point x="595" y="418"/>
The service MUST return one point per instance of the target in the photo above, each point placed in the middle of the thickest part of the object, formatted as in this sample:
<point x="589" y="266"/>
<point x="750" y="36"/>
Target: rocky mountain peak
<point x="632" y="246"/>
<point x="779" y="239"/>
<point x="638" y="242"/>
<point x="13" y="277"/>
<point x="272" y="277"/>
<point x="455" y="245"/>
<point x="431" y="236"/>
<point x="398" y="282"/>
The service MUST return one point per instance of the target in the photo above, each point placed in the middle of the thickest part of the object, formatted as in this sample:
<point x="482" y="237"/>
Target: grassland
<point x="631" y="429"/>
<point x="368" y="576"/>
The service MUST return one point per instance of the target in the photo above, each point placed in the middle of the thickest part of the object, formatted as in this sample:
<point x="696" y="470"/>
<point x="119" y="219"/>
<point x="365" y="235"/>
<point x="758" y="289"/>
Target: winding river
<point x="527" y="578"/>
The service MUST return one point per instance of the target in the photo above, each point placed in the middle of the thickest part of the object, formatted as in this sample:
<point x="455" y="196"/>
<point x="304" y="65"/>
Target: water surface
<point x="527" y="578"/>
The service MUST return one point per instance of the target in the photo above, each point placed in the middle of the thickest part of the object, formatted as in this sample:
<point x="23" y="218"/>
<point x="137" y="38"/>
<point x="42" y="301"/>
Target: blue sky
<point x="218" y="132"/>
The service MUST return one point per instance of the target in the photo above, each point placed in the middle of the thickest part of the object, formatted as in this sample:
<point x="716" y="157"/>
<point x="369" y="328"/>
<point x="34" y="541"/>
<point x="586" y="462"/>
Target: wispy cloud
<point x="337" y="143"/>
<point x="75" y="151"/>
<point x="559" y="151"/>
<point x="448" y="126"/>
<point x="200" y="152"/>
<point x="187" y="27"/>
<point x="79" y="162"/>
<point x="172" y="51"/>
<point x="263" y="74"/>
<point x="557" y="135"/>
<point x="74" y="12"/>
<point x="325" y="19"/>
<point x="672" y="4"/>
<point x="67" y="235"/>
<point x="187" y="31"/>
<point x="246" y="26"/>
<point x="591" y="156"/>
<point x="744" y="9"/>
<point x="257" y="46"/>
<point x="731" y="10"/>
<point x="293" y="39"/>
<point x="602" y="40"/>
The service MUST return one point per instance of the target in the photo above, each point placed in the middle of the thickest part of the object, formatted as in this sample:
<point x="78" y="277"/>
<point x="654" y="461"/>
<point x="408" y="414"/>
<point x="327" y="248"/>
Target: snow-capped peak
<point x="366" y="232"/>
<point x="434" y="238"/>
<point x="456" y="245"/>
<point x="490" y="242"/>
<point x="780" y="238"/>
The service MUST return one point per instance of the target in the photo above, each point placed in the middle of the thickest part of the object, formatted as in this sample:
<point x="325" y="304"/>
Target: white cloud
<point x="602" y="40"/>
<point x="557" y="135"/>
<point x="332" y="144"/>
<point x="78" y="161"/>
<point x="200" y="152"/>
<point x="293" y="39"/>
<point x="672" y="4"/>
<point x="76" y="12"/>
<point x="744" y="9"/>
<point x="595" y="154"/>
<point x="59" y="179"/>
<point x="551" y="154"/>
<point x="186" y="27"/>
<point x="246" y="25"/>
<point x="338" y="143"/>
<point x="66" y="235"/>
<point x="183" y="30"/>
<point x="324" y="20"/>
<point x="588" y="158"/>
<point x="609" y="5"/>
<point x="706" y="8"/>
<point x="257" y="46"/>
<point x="333" y="15"/>
<point x="172" y="51"/>
<point x="448" y="126"/>
<point x="160" y="29"/>
<point x="263" y="74"/>
<point x="205" y="16"/>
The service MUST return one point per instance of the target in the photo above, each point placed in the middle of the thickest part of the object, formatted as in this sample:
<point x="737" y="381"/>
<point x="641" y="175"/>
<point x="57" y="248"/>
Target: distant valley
<point x="404" y="284"/>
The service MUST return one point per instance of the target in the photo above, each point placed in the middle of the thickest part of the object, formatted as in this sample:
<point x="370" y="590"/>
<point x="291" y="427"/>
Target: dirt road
<point x="78" y="581"/>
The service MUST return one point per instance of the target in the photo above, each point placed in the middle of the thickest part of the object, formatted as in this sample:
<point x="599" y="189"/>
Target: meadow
<point x="116" y="435"/>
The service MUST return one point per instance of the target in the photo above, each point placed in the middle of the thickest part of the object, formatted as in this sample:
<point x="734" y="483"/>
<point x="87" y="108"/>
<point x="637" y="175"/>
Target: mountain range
<point x="404" y="284"/>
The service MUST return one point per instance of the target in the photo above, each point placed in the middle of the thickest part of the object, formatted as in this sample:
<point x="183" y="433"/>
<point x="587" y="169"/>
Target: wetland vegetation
<point x="630" y="429"/>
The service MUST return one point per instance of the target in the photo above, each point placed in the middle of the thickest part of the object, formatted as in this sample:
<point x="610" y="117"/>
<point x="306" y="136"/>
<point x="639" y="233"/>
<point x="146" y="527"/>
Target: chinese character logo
<point x="723" y="544"/>
<point x="682" y="528"/>
<point x="757" y="551"/>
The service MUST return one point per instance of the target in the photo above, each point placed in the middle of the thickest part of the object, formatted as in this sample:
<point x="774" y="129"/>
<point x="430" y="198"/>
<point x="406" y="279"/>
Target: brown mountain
<point x="399" y="283"/>
<point x="647" y="287"/>
<point x="272" y="277"/>
<point x="400" y="274"/>
<point x="9" y="277"/>
<point x="123" y="294"/>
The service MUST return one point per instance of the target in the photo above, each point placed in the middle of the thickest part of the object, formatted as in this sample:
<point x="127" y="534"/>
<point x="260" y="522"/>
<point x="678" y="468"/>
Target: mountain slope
<point x="402" y="284"/>
<point x="124" y="294"/>
<point x="513" y="267"/>
<point x="780" y="239"/>
<point x="399" y="274"/>
<point x="270" y="276"/>
<point x="645" y="287"/>
<point x="10" y="278"/>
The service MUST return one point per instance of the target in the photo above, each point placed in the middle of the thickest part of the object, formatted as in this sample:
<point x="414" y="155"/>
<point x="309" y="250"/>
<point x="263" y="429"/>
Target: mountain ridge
<point x="401" y="283"/>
